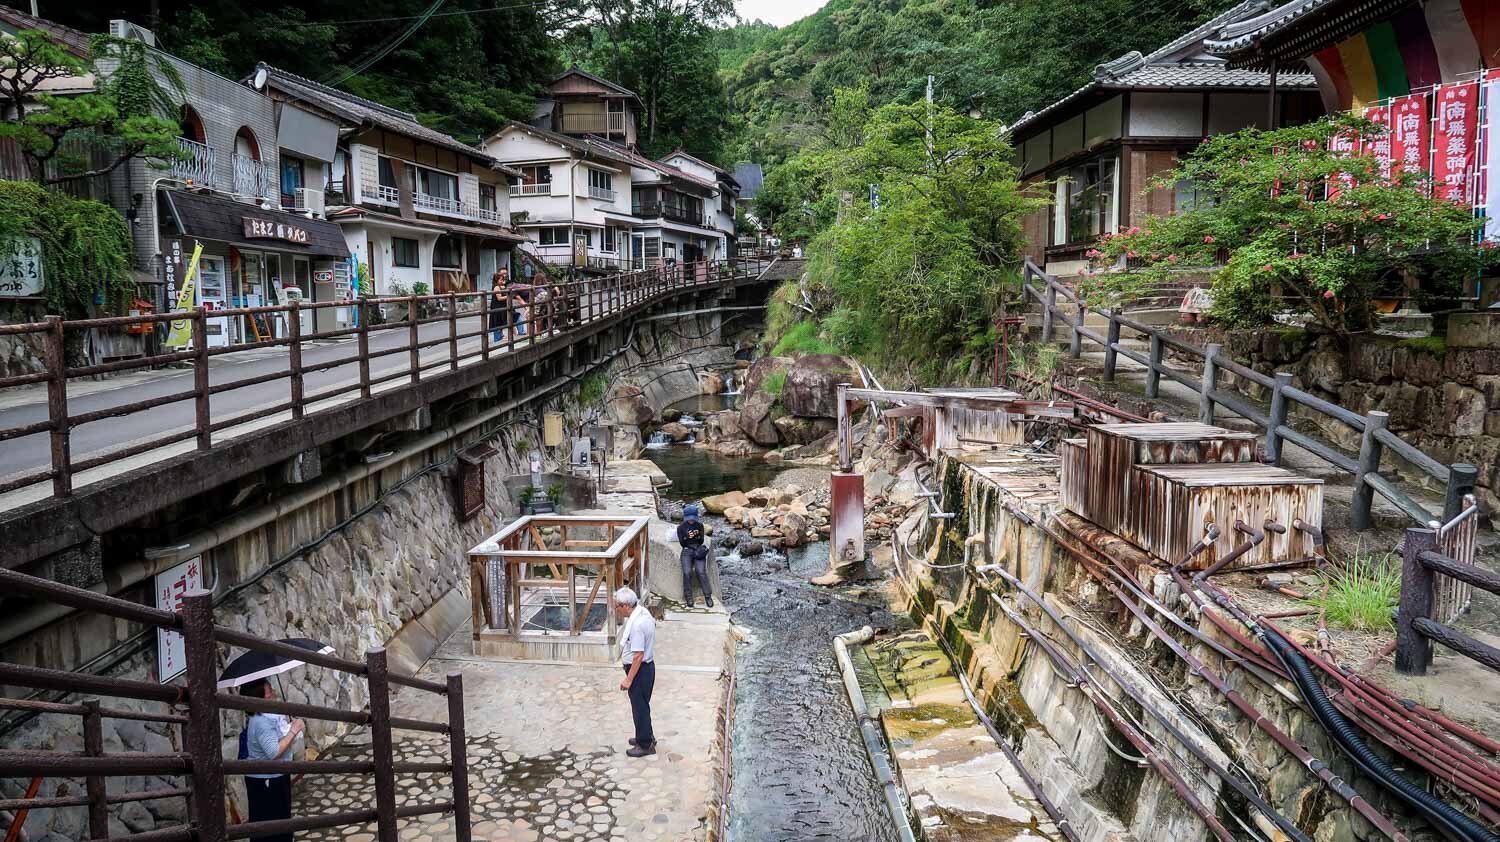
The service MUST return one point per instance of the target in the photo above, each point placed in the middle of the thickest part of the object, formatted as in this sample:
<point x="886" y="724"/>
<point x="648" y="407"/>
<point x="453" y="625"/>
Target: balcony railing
<point x="252" y="177"/>
<point x="437" y="204"/>
<point x="380" y="194"/>
<point x="594" y="123"/>
<point x="672" y="212"/>
<point x="198" y="165"/>
<point x="601" y="193"/>
<point x="384" y="194"/>
<point x="542" y="189"/>
<point x="491" y="215"/>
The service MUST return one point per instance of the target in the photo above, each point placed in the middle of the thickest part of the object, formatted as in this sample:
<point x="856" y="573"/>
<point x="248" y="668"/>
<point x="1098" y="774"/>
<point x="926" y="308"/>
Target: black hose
<point x="1444" y="816"/>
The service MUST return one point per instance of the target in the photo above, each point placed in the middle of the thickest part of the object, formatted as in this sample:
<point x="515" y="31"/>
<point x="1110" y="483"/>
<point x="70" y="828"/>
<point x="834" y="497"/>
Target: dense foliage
<point x="1001" y="57"/>
<point x="923" y="209"/>
<point x="85" y="246"/>
<point x="1262" y="207"/>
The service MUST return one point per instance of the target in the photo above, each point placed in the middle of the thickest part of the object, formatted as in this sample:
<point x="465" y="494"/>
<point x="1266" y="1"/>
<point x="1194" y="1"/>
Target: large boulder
<point x="676" y="431"/>
<point x="761" y="369"/>
<point x="811" y="389"/>
<point x="756" y="421"/>
<point x="795" y="429"/>
<point x="717" y="504"/>
<point x="710" y="382"/>
<point x="630" y="406"/>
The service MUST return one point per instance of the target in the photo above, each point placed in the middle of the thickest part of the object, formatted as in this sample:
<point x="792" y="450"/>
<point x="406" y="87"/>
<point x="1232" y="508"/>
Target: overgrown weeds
<point x="1362" y="592"/>
<point x="1034" y="366"/>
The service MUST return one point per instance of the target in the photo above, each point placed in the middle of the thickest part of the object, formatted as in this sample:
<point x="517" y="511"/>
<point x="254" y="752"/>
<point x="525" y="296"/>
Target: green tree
<point x="85" y="245"/>
<point x="1262" y="201"/>
<point x="78" y="136"/>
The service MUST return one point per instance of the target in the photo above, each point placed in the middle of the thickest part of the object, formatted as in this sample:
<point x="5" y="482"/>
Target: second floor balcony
<point x="197" y="164"/>
<point x="540" y="189"/>
<point x="594" y="122"/>
<point x="375" y="193"/>
<point x="602" y="193"/>
<point x="674" y="213"/>
<point x="253" y="178"/>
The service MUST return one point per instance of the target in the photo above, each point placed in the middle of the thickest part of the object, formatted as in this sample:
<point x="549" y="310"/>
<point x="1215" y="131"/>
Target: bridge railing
<point x="195" y="706"/>
<point x="1375" y="439"/>
<point x="386" y="326"/>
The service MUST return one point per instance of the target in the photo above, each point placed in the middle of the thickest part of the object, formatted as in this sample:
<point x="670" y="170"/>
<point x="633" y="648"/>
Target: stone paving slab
<point x="547" y="748"/>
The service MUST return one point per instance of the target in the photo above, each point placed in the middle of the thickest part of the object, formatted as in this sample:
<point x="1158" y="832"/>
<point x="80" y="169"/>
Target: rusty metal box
<point x="1074" y="477"/>
<point x="1172" y="505"/>
<point x="1114" y="449"/>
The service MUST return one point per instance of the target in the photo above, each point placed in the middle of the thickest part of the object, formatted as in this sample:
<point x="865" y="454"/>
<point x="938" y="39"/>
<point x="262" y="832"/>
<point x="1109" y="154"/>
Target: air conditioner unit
<point x="309" y="200"/>
<point x="125" y="30"/>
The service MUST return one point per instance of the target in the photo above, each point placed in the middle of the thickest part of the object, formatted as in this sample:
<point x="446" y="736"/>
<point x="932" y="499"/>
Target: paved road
<point x="32" y="452"/>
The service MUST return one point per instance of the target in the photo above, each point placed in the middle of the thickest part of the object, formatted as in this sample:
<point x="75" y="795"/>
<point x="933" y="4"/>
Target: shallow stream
<point x="800" y="769"/>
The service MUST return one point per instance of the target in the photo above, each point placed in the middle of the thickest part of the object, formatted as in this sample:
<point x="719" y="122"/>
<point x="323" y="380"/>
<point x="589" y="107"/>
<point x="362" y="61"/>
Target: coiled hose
<point x="1443" y="815"/>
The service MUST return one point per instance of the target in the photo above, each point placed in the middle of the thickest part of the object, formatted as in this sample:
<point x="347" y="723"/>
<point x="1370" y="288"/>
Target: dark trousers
<point x="270" y="798"/>
<point x="640" y="703"/>
<point x="691" y="569"/>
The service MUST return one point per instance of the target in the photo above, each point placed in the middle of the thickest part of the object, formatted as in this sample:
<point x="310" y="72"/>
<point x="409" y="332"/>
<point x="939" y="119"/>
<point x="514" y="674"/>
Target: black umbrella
<point x="254" y="666"/>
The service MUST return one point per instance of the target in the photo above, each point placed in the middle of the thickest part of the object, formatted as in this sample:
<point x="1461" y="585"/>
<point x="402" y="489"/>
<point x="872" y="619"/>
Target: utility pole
<point x="929" y="119"/>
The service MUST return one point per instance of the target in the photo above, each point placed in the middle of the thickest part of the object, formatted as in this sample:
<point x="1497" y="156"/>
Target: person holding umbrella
<point x="268" y="736"/>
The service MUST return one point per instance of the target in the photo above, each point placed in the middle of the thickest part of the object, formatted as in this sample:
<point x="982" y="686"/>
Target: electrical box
<point x="552" y="429"/>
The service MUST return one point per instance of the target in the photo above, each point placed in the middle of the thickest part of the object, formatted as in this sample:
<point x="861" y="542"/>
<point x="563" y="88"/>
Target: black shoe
<point x="642" y="752"/>
<point x="708" y="603"/>
<point x="633" y="741"/>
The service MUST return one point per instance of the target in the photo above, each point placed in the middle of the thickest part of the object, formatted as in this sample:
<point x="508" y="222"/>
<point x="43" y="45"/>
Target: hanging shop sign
<point x="257" y="228"/>
<point x="21" y="268"/>
<point x="171" y="586"/>
<point x="1454" y="131"/>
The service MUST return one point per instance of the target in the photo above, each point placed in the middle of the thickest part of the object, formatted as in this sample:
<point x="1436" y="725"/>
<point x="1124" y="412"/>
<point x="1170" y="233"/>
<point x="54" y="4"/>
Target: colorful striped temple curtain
<point x="1415" y="49"/>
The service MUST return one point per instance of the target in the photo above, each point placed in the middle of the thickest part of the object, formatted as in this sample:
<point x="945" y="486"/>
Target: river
<point x="800" y="769"/>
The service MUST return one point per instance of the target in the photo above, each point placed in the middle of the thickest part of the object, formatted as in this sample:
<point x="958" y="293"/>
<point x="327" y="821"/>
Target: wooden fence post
<point x="200" y="379"/>
<point x="1206" y="386"/>
<point x="1413" y="649"/>
<point x="1153" y="367"/>
<point x="205" y="741"/>
<point x="1111" y="339"/>
<point x="382" y="749"/>
<point x="412" y="338"/>
<point x="294" y="356"/>
<point x="1075" y="343"/>
<point x="1461" y="480"/>
<point x="458" y="753"/>
<point x="364" y="347"/>
<point x="57" y="408"/>
<point x="93" y="746"/>
<point x="1048" y="306"/>
<point x="1368" y="463"/>
<point x="1277" y="419"/>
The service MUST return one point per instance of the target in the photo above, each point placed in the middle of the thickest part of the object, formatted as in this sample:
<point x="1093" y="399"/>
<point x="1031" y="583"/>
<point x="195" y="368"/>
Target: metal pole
<point x="846" y="462"/>
<point x="1206" y="387"/>
<point x="294" y="357"/>
<point x="381" y="749"/>
<point x="458" y="755"/>
<point x="1153" y="369"/>
<point x="57" y="408"/>
<point x="205" y="742"/>
<point x="1368" y="463"/>
<point x="1277" y="418"/>
<point x="1413" y="649"/>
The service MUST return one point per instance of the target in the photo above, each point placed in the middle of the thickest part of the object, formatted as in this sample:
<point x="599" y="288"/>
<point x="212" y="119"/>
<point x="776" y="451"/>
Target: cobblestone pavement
<point x="547" y="749"/>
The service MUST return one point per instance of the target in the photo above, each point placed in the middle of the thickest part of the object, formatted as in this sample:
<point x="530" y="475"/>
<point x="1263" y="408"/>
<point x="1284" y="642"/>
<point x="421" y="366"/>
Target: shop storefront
<point x="253" y="257"/>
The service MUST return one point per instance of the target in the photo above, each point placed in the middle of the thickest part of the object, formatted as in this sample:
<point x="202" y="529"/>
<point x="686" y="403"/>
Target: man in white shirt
<point x="638" y="657"/>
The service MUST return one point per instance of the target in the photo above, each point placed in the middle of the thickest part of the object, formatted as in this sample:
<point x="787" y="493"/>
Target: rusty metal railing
<point x="1375" y="439"/>
<point x="195" y="706"/>
<point x="570" y="306"/>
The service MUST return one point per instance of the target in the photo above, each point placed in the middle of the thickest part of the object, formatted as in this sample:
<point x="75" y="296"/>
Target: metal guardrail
<point x="195" y="706"/>
<point x="571" y="305"/>
<point x="1459" y="479"/>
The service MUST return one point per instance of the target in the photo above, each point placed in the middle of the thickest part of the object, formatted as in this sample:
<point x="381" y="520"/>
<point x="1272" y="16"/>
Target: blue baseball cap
<point x="690" y="511"/>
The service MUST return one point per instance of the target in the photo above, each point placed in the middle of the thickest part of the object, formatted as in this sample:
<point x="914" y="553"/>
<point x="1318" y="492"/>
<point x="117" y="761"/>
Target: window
<point x="291" y="177"/>
<point x="599" y="180"/>
<point x="405" y="253"/>
<point x="387" y="173"/>
<point x="540" y="174"/>
<point x="1086" y="196"/>
<point x="438" y="184"/>
<point x="190" y="126"/>
<point x="610" y="240"/>
<point x="245" y="145"/>
<point x="487" y="197"/>
<point x="448" y="253"/>
<point x="552" y="236"/>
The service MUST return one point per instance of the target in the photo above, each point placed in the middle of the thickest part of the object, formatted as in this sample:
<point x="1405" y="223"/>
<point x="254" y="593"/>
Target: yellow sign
<point x="182" y="329"/>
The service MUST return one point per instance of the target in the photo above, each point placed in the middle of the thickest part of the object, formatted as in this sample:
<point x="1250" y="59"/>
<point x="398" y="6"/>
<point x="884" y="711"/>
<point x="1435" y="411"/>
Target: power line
<point x="455" y="13"/>
<point x="386" y="50"/>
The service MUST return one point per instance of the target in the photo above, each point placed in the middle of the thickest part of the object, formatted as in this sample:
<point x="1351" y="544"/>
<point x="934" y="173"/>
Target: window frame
<point x="396" y="253"/>
<point x="453" y="242"/>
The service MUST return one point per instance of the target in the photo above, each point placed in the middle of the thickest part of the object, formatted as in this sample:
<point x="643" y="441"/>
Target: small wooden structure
<point x="541" y="586"/>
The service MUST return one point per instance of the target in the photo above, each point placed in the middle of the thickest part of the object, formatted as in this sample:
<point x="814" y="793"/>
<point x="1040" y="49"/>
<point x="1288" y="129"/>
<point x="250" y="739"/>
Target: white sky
<point x="777" y="12"/>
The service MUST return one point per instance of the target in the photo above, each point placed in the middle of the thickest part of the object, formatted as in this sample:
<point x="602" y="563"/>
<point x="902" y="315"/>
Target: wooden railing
<point x="514" y="574"/>
<point x="1437" y="573"/>
<point x="571" y="305"/>
<point x="195" y="706"/>
<point x="1375" y="439"/>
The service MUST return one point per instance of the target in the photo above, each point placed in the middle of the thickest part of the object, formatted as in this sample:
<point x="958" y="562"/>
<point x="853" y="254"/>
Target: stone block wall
<point x="1442" y="397"/>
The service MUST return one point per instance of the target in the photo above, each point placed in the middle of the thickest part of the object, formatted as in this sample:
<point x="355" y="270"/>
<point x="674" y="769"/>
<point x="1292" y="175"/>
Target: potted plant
<point x="555" y="494"/>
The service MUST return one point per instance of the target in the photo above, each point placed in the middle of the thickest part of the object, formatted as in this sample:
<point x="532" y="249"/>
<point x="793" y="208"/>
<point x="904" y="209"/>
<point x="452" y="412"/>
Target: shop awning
<point x="208" y="217"/>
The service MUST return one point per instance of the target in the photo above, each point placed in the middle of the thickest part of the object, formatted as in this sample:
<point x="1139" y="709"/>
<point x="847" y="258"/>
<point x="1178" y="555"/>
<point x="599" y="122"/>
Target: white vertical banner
<point x="171" y="585"/>
<point x="1490" y="134"/>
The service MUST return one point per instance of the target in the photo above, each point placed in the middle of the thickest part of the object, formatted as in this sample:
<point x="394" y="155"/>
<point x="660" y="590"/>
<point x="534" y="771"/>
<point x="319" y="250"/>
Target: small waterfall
<point x="658" y="441"/>
<point x="690" y="421"/>
<point x="730" y="388"/>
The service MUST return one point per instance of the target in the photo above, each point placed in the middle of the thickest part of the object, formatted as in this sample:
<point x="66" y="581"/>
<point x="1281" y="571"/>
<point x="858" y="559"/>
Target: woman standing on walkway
<point x="520" y="301"/>
<point x="499" y="304"/>
<point x="269" y="736"/>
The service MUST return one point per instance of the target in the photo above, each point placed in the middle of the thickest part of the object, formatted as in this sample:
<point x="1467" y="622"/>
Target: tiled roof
<point x="1181" y="64"/>
<point x="749" y="177"/>
<point x="364" y="111"/>
<point x="216" y="218"/>
<point x="668" y="170"/>
<point x="72" y="40"/>
<point x="1242" y="33"/>
<point x="587" y="146"/>
<point x="576" y="71"/>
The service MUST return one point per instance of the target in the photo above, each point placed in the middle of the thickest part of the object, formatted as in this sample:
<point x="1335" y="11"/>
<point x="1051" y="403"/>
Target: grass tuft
<point x="1434" y="345"/>
<point x="774" y="383"/>
<point x="802" y="338"/>
<point x="1362" y="593"/>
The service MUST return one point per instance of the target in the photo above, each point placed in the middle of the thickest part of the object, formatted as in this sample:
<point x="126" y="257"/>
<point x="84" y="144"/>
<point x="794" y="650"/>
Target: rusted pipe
<point x="1256" y="537"/>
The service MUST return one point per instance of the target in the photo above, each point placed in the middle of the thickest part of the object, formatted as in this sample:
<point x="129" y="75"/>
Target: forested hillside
<point x="1002" y="57"/>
